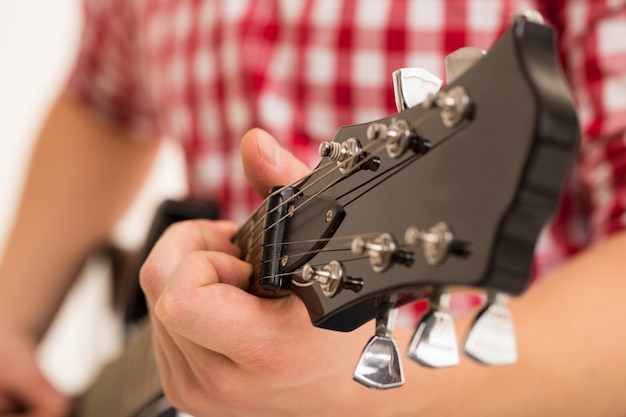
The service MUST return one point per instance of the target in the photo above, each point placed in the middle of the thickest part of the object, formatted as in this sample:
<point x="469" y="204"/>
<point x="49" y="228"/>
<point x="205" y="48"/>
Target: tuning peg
<point x="434" y="343"/>
<point x="349" y="155"/>
<point x="411" y="86"/>
<point x="380" y="365"/>
<point x="398" y="137"/>
<point x="533" y="16"/>
<point x="491" y="340"/>
<point x="436" y="241"/>
<point x="460" y="61"/>
<point x="382" y="251"/>
<point x="332" y="278"/>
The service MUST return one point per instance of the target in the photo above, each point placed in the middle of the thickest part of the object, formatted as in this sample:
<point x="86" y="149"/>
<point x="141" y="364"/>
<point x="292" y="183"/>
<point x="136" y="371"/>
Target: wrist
<point x="15" y="327"/>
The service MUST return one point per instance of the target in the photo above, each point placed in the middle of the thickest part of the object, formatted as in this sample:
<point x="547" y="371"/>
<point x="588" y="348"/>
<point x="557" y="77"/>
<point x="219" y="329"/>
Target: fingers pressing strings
<point x="177" y="242"/>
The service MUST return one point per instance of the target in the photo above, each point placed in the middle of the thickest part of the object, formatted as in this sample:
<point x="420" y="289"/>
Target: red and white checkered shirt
<point x="205" y="71"/>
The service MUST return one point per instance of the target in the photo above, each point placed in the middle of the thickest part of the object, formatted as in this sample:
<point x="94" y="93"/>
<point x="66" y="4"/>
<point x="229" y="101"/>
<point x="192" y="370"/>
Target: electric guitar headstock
<point x="451" y="191"/>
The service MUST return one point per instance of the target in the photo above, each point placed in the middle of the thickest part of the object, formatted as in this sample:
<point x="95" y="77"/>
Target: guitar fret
<point x="248" y="239"/>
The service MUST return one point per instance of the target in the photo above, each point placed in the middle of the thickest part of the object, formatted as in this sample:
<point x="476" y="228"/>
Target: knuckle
<point x="169" y="308"/>
<point x="149" y="276"/>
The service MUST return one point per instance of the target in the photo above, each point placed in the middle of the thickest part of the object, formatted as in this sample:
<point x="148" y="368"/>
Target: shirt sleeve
<point x="108" y="74"/>
<point x="596" y="61"/>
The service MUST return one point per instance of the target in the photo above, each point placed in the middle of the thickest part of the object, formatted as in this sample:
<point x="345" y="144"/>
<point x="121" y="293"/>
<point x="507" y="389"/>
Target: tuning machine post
<point x="434" y="343"/>
<point x="491" y="339"/>
<point x="454" y="104"/>
<point x="398" y="137"/>
<point x="436" y="242"/>
<point x="530" y="15"/>
<point x="380" y="365"/>
<point x="332" y="278"/>
<point x="383" y="252"/>
<point x="349" y="155"/>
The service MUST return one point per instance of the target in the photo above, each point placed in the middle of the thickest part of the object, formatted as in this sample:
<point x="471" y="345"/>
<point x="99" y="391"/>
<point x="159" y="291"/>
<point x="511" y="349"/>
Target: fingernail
<point x="269" y="149"/>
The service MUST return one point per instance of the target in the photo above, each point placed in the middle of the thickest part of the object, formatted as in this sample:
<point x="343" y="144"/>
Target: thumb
<point x="266" y="164"/>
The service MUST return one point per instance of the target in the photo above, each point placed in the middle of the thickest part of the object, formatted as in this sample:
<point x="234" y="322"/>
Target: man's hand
<point x="24" y="391"/>
<point x="223" y="351"/>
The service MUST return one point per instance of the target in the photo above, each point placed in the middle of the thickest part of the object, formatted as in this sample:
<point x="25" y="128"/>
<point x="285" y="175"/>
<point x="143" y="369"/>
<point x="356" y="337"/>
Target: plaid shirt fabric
<point x="204" y="71"/>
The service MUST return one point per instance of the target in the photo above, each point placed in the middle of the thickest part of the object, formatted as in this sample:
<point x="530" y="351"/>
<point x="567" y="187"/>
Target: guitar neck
<point x="249" y="240"/>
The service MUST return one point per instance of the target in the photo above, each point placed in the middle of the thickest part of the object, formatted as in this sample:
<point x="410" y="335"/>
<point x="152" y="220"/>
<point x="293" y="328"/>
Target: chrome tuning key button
<point x="382" y="251"/>
<point x="460" y="61"/>
<point x="531" y="15"/>
<point x="411" y="86"/>
<point x="332" y="278"/>
<point x="455" y="105"/>
<point x="436" y="241"/>
<point x="398" y="137"/>
<point x="349" y="155"/>
<point x="491" y="339"/>
<point x="434" y="343"/>
<point x="380" y="365"/>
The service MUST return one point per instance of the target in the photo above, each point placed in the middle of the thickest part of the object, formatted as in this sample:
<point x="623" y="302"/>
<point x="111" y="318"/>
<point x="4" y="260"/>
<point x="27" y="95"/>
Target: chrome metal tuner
<point x="434" y="343"/>
<point x="349" y="155"/>
<point x="461" y="60"/>
<point x="382" y="251"/>
<point x="530" y="15"/>
<point x="411" y="86"/>
<point x="332" y="278"/>
<point x="380" y="365"/>
<point x="436" y="241"/>
<point x="455" y="105"/>
<point x="491" y="339"/>
<point x="398" y="137"/>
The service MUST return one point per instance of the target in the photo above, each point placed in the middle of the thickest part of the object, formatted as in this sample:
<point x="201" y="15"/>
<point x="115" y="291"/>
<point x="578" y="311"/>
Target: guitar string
<point x="390" y="172"/>
<point x="308" y="284"/>
<point x="381" y="178"/>
<point x="342" y="243"/>
<point x="401" y="246"/>
<point x="337" y="239"/>
<point x="336" y="181"/>
<point x="416" y="123"/>
<point x="376" y="181"/>
<point x="392" y="169"/>
<point x="335" y="167"/>
<point x="261" y="208"/>
<point x="315" y="195"/>
<point x="249" y="230"/>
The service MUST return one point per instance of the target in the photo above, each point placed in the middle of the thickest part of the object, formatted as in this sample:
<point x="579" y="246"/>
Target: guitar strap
<point x="127" y="384"/>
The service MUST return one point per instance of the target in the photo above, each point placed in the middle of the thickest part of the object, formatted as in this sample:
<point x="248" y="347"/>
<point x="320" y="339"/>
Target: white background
<point x="38" y="40"/>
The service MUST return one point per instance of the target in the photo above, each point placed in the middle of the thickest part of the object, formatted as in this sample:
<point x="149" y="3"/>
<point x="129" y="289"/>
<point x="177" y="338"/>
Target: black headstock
<point x="452" y="192"/>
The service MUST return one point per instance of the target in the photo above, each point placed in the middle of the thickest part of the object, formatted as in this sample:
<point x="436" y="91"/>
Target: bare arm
<point x="571" y="342"/>
<point x="83" y="175"/>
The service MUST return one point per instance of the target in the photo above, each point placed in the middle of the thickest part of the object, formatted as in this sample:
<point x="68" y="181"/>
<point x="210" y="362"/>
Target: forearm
<point x="571" y="343"/>
<point x="83" y="175"/>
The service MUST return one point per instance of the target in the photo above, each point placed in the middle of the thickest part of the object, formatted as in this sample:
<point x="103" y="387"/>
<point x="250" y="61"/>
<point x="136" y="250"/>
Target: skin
<point x="225" y="352"/>
<point x="85" y="174"/>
